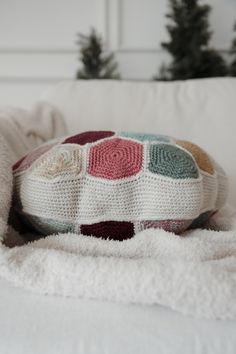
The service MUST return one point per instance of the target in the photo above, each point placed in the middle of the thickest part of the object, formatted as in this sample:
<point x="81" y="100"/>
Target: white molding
<point x="113" y="25"/>
<point x="32" y="79"/>
<point x="102" y="18"/>
<point x="72" y="51"/>
<point x="120" y="31"/>
<point x="110" y="25"/>
<point x="116" y="31"/>
<point x="37" y="50"/>
<point x="120" y="47"/>
<point x="101" y="25"/>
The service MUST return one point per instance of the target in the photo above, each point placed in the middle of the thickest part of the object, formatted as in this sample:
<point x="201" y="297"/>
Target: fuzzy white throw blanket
<point x="194" y="273"/>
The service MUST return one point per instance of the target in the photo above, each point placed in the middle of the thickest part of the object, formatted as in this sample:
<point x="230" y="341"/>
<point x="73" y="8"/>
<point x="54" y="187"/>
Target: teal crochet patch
<point x="145" y="137"/>
<point x="48" y="226"/>
<point x="169" y="160"/>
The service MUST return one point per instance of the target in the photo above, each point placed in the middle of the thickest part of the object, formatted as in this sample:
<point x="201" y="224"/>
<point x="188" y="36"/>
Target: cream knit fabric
<point x="107" y="184"/>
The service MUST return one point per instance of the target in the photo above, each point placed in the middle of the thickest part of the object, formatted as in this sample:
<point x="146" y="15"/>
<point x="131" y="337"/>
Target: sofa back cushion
<point x="204" y="111"/>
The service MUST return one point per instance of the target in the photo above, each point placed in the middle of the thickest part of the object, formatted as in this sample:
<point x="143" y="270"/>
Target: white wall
<point x="37" y="39"/>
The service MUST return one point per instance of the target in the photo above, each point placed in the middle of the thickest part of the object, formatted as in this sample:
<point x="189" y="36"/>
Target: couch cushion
<point x="109" y="184"/>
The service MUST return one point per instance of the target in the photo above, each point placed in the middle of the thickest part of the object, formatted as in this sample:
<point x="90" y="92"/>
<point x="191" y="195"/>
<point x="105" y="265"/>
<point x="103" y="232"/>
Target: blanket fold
<point x="194" y="273"/>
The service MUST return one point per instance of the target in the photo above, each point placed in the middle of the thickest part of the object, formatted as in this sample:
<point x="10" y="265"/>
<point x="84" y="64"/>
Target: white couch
<point x="203" y="111"/>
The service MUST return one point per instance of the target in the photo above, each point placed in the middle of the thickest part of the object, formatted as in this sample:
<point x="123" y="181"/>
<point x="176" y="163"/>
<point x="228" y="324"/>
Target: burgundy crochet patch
<point x="115" y="230"/>
<point x="88" y="137"/>
<point x="18" y="163"/>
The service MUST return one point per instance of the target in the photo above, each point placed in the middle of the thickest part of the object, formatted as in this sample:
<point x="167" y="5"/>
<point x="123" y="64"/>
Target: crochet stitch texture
<point x="113" y="185"/>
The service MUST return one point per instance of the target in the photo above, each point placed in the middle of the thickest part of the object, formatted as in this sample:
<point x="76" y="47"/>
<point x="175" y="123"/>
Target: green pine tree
<point x="233" y="51"/>
<point x="96" y="63"/>
<point x="189" y="33"/>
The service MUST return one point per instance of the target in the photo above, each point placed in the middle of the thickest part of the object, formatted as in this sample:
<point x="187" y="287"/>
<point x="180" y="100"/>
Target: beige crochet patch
<point x="61" y="162"/>
<point x="201" y="157"/>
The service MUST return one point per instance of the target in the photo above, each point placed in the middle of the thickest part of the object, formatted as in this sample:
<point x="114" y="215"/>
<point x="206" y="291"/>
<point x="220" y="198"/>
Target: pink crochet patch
<point x="27" y="160"/>
<point x="175" y="226"/>
<point x="88" y="137"/>
<point x="115" y="158"/>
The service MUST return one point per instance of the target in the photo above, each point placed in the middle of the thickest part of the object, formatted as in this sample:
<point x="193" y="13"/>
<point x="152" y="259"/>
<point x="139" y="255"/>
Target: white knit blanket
<point x="194" y="273"/>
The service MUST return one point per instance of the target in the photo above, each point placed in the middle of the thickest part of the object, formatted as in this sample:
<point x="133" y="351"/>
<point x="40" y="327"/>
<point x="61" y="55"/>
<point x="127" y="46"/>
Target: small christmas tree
<point x="233" y="50"/>
<point x="96" y="63"/>
<point x="189" y="33"/>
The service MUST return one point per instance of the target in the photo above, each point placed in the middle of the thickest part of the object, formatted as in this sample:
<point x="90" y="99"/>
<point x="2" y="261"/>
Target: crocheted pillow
<point x="114" y="185"/>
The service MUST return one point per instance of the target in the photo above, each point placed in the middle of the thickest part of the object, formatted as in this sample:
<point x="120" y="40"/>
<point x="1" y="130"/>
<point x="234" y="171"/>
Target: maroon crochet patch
<point x="18" y="163"/>
<point x="88" y="137"/>
<point x="115" y="230"/>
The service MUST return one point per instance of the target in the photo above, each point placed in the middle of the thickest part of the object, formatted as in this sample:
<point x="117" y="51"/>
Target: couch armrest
<point x="24" y="130"/>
